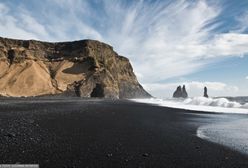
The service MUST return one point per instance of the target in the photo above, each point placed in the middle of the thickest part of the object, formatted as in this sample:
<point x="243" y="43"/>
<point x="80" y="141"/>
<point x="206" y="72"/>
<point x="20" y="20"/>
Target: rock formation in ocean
<point x="84" y="68"/>
<point x="180" y="92"/>
<point x="205" y="92"/>
<point x="184" y="92"/>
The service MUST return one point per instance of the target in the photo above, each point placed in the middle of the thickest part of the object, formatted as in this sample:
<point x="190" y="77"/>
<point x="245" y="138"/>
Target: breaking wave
<point x="216" y="102"/>
<point x="222" y="105"/>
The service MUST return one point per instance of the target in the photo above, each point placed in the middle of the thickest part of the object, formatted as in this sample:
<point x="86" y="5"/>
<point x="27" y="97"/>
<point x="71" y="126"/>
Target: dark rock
<point x="145" y="155"/>
<point x="97" y="91"/>
<point x="205" y="92"/>
<point x="180" y="92"/>
<point x="197" y="147"/>
<point x="184" y="92"/>
<point x="109" y="155"/>
<point x="10" y="135"/>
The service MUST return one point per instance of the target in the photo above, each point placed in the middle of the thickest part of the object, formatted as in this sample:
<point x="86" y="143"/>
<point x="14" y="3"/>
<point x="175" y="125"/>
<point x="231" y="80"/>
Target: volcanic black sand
<point x="76" y="132"/>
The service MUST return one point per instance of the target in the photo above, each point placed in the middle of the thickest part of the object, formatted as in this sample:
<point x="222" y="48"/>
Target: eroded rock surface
<point x="85" y="68"/>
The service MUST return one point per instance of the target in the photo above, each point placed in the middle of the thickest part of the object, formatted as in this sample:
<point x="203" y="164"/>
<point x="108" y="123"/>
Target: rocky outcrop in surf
<point x="180" y="92"/>
<point x="205" y="92"/>
<point x="85" y="68"/>
<point x="184" y="92"/>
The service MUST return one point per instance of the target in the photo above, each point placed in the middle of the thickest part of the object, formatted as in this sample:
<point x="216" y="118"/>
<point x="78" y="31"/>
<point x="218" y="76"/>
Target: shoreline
<point x="194" y="107"/>
<point x="232" y="134"/>
<point x="107" y="133"/>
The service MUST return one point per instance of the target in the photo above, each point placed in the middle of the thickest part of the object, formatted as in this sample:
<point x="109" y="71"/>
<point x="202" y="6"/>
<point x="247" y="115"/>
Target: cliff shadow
<point x="98" y="91"/>
<point x="77" y="68"/>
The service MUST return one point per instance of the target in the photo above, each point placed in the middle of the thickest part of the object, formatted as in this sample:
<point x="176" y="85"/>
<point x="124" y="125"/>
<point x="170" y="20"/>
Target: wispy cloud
<point x="9" y="25"/>
<point x="163" y="39"/>
<point x="242" y="25"/>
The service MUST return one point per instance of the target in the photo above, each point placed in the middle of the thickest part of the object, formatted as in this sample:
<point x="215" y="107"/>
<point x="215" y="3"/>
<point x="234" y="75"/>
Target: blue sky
<point x="193" y="42"/>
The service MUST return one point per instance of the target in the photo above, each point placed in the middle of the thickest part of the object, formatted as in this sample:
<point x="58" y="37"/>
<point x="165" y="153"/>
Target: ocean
<point x="215" y="104"/>
<point x="241" y="99"/>
<point x="232" y="134"/>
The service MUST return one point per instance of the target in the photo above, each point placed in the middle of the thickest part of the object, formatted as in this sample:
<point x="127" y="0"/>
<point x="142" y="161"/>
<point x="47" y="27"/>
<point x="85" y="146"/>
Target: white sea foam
<point x="231" y="134"/>
<point x="221" y="105"/>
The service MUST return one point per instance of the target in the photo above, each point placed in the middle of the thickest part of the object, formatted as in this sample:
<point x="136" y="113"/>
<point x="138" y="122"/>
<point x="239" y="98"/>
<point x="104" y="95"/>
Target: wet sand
<point x="57" y="132"/>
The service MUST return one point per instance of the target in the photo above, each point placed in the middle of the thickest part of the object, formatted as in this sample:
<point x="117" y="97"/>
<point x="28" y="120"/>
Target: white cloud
<point x="31" y="25"/>
<point x="242" y="23"/>
<point x="194" y="88"/>
<point x="246" y="77"/>
<point x="9" y="25"/>
<point x="227" y="45"/>
<point x="162" y="39"/>
<point x="3" y="9"/>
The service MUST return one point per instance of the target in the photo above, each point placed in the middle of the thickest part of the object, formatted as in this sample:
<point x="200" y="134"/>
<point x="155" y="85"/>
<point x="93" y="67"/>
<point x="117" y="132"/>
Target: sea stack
<point x="180" y="92"/>
<point x="205" y="92"/>
<point x="85" y="68"/>
<point x="184" y="92"/>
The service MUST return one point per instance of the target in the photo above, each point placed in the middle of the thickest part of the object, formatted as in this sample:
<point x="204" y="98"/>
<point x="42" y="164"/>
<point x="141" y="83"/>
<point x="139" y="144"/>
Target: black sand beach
<point x="106" y="133"/>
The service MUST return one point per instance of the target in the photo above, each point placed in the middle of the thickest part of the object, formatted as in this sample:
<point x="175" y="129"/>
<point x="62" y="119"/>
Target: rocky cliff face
<point x="85" y="68"/>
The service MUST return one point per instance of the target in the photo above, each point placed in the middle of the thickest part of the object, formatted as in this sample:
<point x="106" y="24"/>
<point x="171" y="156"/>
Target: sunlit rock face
<point x="85" y="68"/>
